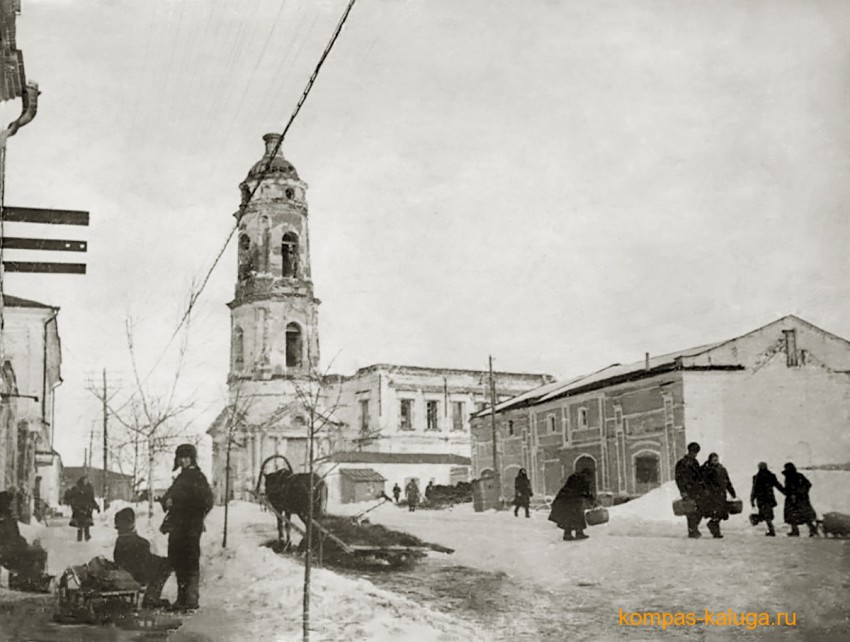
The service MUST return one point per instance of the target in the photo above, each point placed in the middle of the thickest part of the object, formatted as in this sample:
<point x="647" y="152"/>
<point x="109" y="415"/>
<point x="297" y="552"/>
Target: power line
<point x="195" y="295"/>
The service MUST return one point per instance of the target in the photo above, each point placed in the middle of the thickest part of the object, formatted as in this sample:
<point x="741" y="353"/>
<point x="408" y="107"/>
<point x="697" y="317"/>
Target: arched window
<point x="289" y="255"/>
<point x="238" y="349"/>
<point x="246" y="264"/>
<point x="294" y="345"/>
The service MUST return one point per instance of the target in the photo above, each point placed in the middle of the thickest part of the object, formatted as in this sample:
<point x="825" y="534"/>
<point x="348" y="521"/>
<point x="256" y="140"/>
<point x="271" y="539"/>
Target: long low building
<point x="779" y="393"/>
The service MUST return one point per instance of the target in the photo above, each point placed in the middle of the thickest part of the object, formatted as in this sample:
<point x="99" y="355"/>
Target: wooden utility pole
<point x="496" y="471"/>
<point x="105" y="447"/>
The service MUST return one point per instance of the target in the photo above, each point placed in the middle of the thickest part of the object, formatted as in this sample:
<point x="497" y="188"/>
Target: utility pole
<point x="496" y="471"/>
<point x="105" y="447"/>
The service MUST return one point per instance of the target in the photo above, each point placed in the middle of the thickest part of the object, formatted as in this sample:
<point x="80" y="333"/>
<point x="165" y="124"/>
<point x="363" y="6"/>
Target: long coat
<point x="191" y="500"/>
<point x="689" y="478"/>
<point x="522" y="490"/>
<point x="568" y="507"/>
<point x="798" y="508"/>
<point x="715" y="486"/>
<point x="411" y="493"/>
<point x="81" y="500"/>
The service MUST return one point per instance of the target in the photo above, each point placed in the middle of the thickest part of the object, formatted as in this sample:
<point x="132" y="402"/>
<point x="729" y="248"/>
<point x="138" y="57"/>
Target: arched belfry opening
<point x="246" y="263"/>
<point x="294" y="345"/>
<point x="289" y="255"/>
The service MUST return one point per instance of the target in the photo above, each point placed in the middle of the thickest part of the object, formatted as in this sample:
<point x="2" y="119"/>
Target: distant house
<point x="32" y="348"/>
<point x="778" y="393"/>
<point x="360" y="485"/>
<point x="120" y="486"/>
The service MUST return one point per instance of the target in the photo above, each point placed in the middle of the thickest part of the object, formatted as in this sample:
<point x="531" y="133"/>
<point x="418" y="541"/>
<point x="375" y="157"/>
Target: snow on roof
<point x="17" y="302"/>
<point x="399" y="458"/>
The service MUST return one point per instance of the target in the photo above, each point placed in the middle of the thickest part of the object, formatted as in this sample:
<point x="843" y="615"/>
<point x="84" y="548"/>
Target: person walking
<point x="569" y="504"/>
<point x="396" y="492"/>
<point x="761" y="496"/>
<point x="716" y="484"/>
<point x="411" y="492"/>
<point x="522" y="492"/>
<point x="81" y="499"/>
<point x="798" y="507"/>
<point x="689" y="482"/>
<point x="188" y="501"/>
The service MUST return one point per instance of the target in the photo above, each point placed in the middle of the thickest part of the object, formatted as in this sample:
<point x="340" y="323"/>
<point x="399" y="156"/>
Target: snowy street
<point x="509" y="579"/>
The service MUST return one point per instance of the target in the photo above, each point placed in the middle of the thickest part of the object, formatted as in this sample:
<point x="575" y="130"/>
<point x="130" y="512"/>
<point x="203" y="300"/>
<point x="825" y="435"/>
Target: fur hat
<point x="185" y="450"/>
<point x="125" y="519"/>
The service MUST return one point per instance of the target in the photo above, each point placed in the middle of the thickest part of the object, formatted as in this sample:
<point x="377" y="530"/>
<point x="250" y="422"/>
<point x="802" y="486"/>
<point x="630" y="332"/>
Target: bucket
<point x="596" y="516"/>
<point x="684" y="507"/>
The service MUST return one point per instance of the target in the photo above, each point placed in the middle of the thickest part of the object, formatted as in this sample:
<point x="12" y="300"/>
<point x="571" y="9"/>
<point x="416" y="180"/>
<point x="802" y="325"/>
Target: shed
<point x="360" y="484"/>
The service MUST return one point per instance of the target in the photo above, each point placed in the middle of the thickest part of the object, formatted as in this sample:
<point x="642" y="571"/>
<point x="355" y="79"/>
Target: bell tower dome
<point x="274" y="314"/>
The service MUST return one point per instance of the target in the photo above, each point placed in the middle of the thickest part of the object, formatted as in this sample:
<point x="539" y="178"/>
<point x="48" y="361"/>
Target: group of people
<point x="705" y="488"/>
<point x="186" y="503"/>
<point x="412" y="495"/>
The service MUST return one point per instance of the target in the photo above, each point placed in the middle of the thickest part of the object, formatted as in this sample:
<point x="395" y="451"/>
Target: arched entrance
<point x="587" y="463"/>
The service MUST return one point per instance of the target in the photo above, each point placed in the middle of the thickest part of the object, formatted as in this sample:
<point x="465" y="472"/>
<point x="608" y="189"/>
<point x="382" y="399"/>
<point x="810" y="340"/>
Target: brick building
<point x="779" y="393"/>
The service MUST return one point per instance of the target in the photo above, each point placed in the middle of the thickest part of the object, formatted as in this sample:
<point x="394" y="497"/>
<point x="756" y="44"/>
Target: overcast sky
<point x="561" y="184"/>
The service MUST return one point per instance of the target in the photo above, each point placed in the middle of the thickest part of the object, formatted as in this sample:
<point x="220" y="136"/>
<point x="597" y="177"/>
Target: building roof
<point x="10" y="301"/>
<point x="268" y="165"/>
<point x="399" y="458"/>
<point x="362" y="475"/>
<point x="70" y="474"/>
<point x="617" y="372"/>
<point x="424" y="369"/>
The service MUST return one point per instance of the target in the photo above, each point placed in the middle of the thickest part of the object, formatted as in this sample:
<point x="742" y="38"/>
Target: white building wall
<point x="774" y="414"/>
<point x="394" y="474"/>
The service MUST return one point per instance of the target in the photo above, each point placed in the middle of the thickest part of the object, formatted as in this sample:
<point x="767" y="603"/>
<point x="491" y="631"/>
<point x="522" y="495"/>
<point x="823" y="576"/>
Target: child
<point x="133" y="554"/>
<point x="25" y="562"/>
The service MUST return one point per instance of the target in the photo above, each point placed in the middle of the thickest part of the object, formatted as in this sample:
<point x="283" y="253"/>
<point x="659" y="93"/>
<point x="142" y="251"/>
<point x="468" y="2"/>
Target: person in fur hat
<point x="187" y="501"/>
<point x="133" y="554"/>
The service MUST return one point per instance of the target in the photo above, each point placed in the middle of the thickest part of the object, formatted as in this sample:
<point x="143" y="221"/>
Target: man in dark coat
<point x="689" y="482"/>
<point x="411" y="493"/>
<point x="132" y="553"/>
<point x="81" y="499"/>
<point x="396" y="492"/>
<point x="568" y="507"/>
<point x="798" y="508"/>
<point x="716" y="484"/>
<point x="522" y="492"/>
<point x="762" y="495"/>
<point x="188" y="501"/>
<point x="22" y="559"/>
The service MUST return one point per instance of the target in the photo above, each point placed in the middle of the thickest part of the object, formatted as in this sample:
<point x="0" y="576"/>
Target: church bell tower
<point x="274" y="315"/>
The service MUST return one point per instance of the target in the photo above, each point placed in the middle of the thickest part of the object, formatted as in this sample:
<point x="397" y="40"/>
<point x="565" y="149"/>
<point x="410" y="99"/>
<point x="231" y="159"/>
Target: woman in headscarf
<point x="716" y="484"/>
<point x="798" y="508"/>
<point x="568" y="507"/>
<point x="522" y="492"/>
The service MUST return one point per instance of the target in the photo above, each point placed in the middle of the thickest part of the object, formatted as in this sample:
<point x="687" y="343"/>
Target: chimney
<point x="646" y="362"/>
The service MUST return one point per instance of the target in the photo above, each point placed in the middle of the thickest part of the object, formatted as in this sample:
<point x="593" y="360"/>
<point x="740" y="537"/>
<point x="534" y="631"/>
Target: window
<point x="406" y="414"/>
<point x="294" y="347"/>
<point x="582" y="417"/>
<point x="550" y="423"/>
<point x="458" y="415"/>
<point x="791" y="356"/>
<point x="238" y="349"/>
<point x="289" y="192"/>
<point x="431" y="411"/>
<point x="265" y="236"/>
<point x="511" y="427"/>
<point x="289" y="255"/>
<point x="246" y="263"/>
<point x="364" y="415"/>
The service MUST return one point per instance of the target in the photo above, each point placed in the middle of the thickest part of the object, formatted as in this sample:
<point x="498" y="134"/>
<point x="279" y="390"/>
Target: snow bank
<point x="251" y="593"/>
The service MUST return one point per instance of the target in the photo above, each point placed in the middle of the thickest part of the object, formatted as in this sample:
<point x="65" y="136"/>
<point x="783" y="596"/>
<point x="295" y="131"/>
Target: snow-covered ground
<point x="250" y="593"/>
<point x="511" y="578"/>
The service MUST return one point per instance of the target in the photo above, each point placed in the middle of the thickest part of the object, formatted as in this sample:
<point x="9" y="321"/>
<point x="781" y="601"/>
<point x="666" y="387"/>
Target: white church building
<point x="385" y="422"/>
